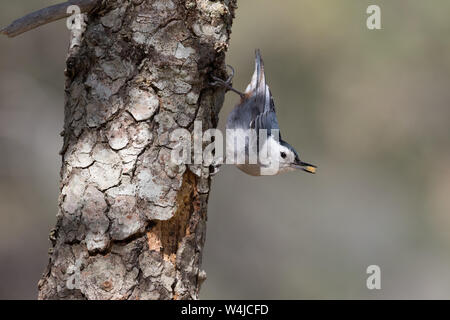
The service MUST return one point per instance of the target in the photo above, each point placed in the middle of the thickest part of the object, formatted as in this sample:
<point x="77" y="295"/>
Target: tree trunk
<point x="130" y="225"/>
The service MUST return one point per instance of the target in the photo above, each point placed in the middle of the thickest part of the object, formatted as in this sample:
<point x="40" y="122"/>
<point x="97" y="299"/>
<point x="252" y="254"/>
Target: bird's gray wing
<point x="266" y="120"/>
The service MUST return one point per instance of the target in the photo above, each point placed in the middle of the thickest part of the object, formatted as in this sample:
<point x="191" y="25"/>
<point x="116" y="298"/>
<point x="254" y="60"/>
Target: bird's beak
<point x="305" y="167"/>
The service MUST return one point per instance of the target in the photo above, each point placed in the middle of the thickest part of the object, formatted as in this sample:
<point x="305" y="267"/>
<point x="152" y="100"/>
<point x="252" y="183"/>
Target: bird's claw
<point x="226" y="83"/>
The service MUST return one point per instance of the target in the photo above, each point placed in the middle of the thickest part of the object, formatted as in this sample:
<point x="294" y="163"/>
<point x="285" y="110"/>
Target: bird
<point x="256" y="111"/>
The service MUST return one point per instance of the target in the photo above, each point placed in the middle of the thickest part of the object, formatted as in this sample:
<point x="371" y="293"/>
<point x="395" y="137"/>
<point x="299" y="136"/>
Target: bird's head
<point x="288" y="158"/>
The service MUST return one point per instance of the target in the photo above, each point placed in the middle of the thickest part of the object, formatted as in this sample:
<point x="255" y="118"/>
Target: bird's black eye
<point x="283" y="155"/>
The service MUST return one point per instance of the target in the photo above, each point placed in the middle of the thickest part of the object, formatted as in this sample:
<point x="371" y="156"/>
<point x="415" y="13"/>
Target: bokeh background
<point x="371" y="108"/>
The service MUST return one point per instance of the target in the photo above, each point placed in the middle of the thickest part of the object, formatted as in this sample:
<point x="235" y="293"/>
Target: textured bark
<point x="130" y="225"/>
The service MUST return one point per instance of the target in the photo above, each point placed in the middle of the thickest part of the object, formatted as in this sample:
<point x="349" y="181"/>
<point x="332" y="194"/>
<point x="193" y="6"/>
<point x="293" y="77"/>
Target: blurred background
<point x="370" y="108"/>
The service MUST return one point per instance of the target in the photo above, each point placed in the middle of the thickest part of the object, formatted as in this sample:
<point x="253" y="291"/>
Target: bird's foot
<point x="226" y="83"/>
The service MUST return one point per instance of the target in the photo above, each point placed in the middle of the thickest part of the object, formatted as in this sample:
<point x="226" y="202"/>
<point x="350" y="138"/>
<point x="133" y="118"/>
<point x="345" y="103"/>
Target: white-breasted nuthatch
<point x="256" y="111"/>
